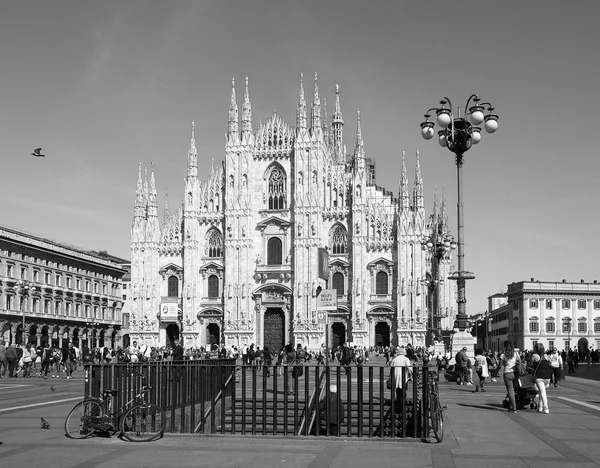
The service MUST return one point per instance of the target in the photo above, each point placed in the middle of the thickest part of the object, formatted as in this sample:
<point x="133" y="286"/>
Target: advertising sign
<point x="323" y="264"/>
<point x="327" y="300"/>
<point x="321" y="317"/>
<point x="168" y="311"/>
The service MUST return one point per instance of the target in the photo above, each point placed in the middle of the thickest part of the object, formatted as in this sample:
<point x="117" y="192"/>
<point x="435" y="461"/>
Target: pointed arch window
<point x="214" y="244"/>
<point x="173" y="286"/>
<point x="339" y="240"/>
<point x="274" y="251"/>
<point x="213" y="286"/>
<point x="337" y="281"/>
<point x="381" y="283"/>
<point x="277" y="190"/>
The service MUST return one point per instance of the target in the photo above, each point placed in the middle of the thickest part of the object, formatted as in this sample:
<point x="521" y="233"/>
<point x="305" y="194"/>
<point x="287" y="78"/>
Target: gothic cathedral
<point x="238" y="261"/>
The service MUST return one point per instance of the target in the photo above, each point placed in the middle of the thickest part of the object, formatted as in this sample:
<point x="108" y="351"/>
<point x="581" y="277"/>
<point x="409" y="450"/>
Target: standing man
<point x="11" y="360"/>
<point x="177" y="351"/>
<point x="462" y="365"/>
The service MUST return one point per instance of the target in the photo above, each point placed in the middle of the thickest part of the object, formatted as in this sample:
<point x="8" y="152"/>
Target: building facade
<point x="560" y="315"/>
<point x="237" y="262"/>
<point x="55" y="293"/>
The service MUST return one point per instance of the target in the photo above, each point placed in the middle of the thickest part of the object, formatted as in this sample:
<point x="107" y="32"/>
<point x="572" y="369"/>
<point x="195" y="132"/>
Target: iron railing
<point x="220" y="397"/>
<point x="188" y="391"/>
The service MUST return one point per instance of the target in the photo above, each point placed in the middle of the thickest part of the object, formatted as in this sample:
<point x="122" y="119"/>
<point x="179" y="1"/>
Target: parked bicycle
<point x="436" y="410"/>
<point x="137" y="420"/>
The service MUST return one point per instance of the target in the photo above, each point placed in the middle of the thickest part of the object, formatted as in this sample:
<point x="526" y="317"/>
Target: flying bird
<point x="52" y="388"/>
<point x="45" y="424"/>
<point x="38" y="153"/>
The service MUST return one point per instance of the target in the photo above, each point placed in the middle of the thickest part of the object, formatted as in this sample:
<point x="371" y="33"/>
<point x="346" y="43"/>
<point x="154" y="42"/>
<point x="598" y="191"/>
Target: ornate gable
<point x="171" y="269"/>
<point x="273" y="220"/>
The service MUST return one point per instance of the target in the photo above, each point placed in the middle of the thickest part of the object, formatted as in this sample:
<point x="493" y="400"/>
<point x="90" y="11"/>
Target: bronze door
<point x="338" y="331"/>
<point x="274" y="329"/>
<point x="382" y="334"/>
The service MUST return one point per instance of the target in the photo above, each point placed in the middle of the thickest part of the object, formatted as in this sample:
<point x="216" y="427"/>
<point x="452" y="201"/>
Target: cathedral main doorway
<point x="382" y="334"/>
<point x="213" y="334"/>
<point x="274" y="329"/>
<point x="172" y="334"/>
<point x="338" y="331"/>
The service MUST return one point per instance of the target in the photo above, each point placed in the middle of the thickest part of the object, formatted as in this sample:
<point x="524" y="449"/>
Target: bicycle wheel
<point x="76" y="426"/>
<point x="143" y="423"/>
<point x="437" y="417"/>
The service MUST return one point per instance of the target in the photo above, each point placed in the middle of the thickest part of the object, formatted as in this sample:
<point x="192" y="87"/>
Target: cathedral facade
<point x="238" y="261"/>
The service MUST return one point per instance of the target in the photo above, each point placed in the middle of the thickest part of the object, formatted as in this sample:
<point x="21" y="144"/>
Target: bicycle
<point x="142" y="422"/>
<point x="436" y="410"/>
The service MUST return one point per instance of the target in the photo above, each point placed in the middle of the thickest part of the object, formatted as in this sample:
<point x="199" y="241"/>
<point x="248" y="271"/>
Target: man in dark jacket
<point x="329" y="407"/>
<point x="177" y="351"/>
<point x="11" y="359"/>
<point x="462" y="364"/>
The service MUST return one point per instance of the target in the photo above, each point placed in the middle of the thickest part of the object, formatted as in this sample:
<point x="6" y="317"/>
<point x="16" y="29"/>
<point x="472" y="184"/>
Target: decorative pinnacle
<point x="301" y="108"/>
<point x="193" y="140"/>
<point x="359" y="148"/>
<point x="316" y="92"/>
<point x="246" y="110"/>
<point x="337" y="115"/>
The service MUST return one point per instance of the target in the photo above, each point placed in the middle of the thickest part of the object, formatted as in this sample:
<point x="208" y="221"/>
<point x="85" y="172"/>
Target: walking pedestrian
<point x="481" y="368"/>
<point x="556" y="363"/>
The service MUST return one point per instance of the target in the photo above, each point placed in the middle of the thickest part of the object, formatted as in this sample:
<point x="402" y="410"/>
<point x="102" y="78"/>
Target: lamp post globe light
<point x="458" y="134"/>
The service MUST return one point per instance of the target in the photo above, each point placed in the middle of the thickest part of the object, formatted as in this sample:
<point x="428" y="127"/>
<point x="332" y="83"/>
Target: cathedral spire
<point x="301" y="108"/>
<point x="193" y="155"/>
<point x="337" y="124"/>
<point x="140" y="200"/>
<point x="246" y="111"/>
<point x="167" y="213"/>
<point x="315" y="122"/>
<point x="443" y="217"/>
<point x="152" y="196"/>
<point x="404" y="199"/>
<point x="359" y="145"/>
<point x="326" y="124"/>
<point x="418" y="198"/>
<point x="434" y="213"/>
<point x="233" y="111"/>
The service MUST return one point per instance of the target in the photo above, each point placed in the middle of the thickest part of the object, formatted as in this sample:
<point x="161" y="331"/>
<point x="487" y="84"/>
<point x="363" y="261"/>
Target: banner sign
<point x="323" y="264"/>
<point x="327" y="300"/>
<point x="168" y="311"/>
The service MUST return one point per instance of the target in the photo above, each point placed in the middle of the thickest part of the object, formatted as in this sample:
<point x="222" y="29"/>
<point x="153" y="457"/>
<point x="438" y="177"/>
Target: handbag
<point x="388" y="383"/>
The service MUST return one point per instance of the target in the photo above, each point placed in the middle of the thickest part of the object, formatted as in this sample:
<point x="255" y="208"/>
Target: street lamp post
<point x="93" y="324"/>
<point x="568" y="327"/>
<point x="22" y="287"/>
<point x="458" y="135"/>
<point x="439" y="244"/>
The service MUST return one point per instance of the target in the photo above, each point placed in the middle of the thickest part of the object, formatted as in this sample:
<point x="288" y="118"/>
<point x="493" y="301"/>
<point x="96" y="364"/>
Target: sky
<point x="103" y="86"/>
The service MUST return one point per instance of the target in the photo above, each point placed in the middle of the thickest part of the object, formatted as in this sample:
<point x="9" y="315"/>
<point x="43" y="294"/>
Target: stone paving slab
<point x="478" y="433"/>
